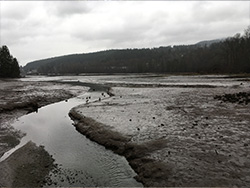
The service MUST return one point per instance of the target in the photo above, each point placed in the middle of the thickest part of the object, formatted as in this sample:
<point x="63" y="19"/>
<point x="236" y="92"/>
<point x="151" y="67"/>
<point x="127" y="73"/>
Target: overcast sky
<point x="36" y="30"/>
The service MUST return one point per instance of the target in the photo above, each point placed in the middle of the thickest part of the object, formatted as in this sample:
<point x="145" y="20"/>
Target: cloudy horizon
<point x="36" y="30"/>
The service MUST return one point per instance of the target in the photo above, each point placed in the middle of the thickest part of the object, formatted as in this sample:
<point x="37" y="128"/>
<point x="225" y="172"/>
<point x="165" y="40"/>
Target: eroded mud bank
<point x="30" y="164"/>
<point x="174" y="136"/>
<point x="150" y="172"/>
<point x="18" y="98"/>
<point x="171" y="136"/>
<point x="85" y="164"/>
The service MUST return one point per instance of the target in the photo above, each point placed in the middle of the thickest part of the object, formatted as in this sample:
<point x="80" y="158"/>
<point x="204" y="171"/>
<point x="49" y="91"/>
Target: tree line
<point x="231" y="55"/>
<point x="9" y="67"/>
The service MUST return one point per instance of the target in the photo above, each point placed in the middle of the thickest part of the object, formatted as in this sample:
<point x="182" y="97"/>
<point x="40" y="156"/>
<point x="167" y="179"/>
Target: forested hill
<point x="225" y="56"/>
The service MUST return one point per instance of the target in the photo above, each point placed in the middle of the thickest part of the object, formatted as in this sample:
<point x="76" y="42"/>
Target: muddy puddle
<point x="80" y="162"/>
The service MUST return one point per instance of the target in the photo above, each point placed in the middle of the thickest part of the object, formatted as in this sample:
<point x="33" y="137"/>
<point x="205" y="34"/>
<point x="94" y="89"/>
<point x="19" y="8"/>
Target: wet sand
<point x="179" y="136"/>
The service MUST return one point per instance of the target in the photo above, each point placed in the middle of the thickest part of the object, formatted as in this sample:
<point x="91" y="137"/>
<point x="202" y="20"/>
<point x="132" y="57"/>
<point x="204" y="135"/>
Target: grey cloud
<point x="53" y="28"/>
<point x="220" y="11"/>
<point x="22" y="10"/>
<point x="130" y="29"/>
<point x="67" y="8"/>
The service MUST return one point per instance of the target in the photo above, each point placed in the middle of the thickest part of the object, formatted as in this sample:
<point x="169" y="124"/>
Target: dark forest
<point x="230" y="55"/>
<point x="9" y="67"/>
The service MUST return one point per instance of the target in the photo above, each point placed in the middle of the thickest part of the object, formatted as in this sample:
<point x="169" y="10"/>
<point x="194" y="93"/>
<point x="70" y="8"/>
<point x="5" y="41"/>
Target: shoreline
<point x="174" y="142"/>
<point x="30" y="164"/>
<point x="149" y="174"/>
<point x="169" y="156"/>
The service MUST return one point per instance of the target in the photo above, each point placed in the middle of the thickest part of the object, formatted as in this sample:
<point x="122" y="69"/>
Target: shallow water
<point x="81" y="161"/>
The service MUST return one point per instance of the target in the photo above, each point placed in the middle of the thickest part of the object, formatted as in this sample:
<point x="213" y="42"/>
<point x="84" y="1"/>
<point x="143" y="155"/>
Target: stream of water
<point x="82" y="162"/>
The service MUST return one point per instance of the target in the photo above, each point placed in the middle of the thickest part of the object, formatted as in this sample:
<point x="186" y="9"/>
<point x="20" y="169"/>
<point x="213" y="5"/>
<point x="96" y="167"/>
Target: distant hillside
<point x="215" y="56"/>
<point x="209" y="42"/>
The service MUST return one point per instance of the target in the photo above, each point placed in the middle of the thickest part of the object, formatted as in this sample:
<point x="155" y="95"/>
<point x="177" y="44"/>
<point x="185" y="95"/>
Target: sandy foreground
<point x="30" y="164"/>
<point x="172" y="136"/>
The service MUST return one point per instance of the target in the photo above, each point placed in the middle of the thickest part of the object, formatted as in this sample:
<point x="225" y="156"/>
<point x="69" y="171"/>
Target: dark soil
<point x="240" y="98"/>
<point x="27" y="167"/>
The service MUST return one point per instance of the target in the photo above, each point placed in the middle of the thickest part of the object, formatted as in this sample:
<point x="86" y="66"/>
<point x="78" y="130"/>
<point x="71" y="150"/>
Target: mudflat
<point x="175" y="136"/>
<point x="174" y="131"/>
<point x="27" y="166"/>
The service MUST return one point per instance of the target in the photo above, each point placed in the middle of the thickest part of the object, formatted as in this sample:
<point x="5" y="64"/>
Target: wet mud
<point x="18" y="98"/>
<point x="28" y="166"/>
<point x="149" y="171"/>
<point x="172" y="135"/>
<point x="240" y="97"/>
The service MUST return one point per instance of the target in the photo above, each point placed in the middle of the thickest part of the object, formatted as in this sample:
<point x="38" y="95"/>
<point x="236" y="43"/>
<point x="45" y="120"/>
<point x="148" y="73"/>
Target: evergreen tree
<point x="231" y="55"/>
<point x="9" y="67"/>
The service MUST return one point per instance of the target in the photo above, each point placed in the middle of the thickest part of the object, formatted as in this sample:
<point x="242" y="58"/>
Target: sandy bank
<point x="173" y="136"/>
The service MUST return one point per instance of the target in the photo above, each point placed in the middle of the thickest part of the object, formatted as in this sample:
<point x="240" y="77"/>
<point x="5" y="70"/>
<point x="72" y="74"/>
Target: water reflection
<point x="82" y="162"/>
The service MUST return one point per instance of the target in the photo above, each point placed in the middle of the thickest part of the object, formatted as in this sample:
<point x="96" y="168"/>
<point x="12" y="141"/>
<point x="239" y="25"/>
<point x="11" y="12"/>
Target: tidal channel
<point x="82" y="162"/>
